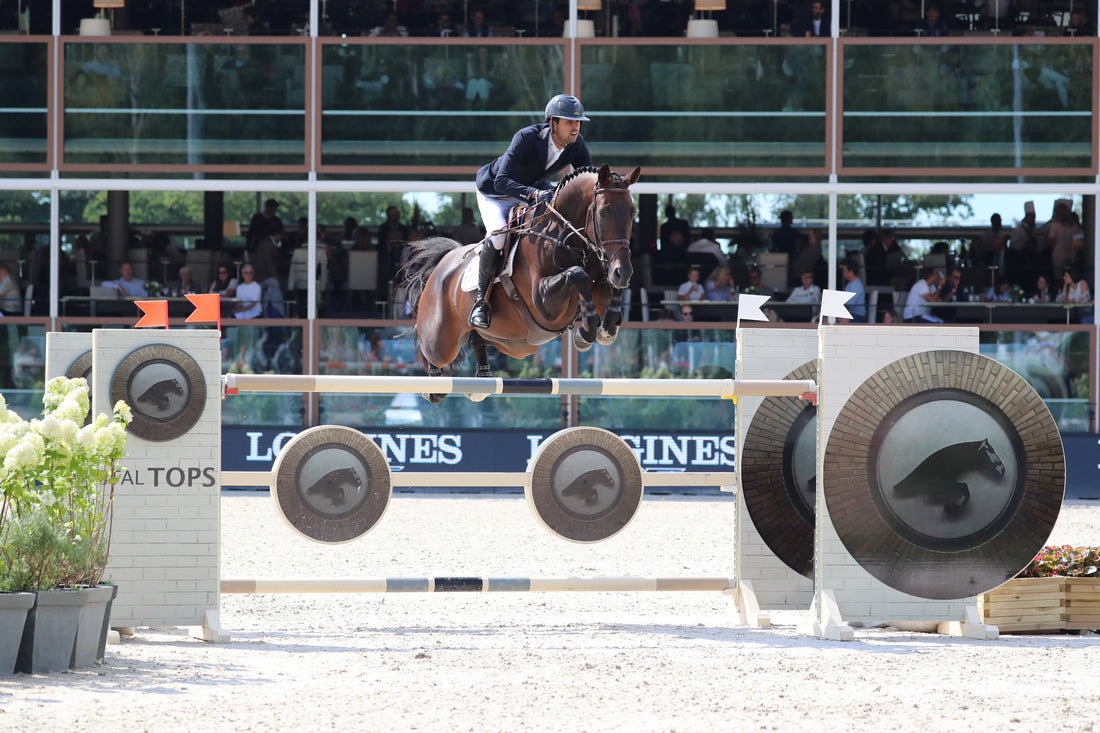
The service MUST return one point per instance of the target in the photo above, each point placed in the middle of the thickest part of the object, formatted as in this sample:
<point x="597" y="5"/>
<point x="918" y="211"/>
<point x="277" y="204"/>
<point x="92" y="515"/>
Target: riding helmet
<point x="566" y="107"/>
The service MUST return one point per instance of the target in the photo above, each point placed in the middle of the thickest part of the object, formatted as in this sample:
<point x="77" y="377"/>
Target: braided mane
<point x="568" y="178"/>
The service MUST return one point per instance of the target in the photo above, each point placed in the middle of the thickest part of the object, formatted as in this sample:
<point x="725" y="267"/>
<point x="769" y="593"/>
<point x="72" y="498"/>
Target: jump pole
<point x="472" y="584"/>
<point x="350" y="384"/>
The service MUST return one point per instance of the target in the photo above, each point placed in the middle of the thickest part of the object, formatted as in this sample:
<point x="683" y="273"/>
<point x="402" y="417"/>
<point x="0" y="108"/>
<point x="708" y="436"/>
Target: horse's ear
<point x="604" y="175"/>
<point x="633" y="177"/>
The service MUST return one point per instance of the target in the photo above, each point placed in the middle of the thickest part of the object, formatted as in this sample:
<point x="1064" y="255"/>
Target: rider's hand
<point x="538" y="196"/>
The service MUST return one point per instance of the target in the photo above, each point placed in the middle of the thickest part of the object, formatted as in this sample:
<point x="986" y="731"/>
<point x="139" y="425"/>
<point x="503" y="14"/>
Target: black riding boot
<point x="481" y="315"/>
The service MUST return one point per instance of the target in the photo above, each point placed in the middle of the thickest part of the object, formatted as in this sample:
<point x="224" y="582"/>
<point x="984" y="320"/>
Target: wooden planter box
<point x="1026" y="605"/>
<point x="1082" y="604"/>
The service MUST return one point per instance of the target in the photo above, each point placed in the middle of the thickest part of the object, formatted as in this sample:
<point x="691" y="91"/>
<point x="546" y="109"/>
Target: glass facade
<point x="991" y="106"/>
<point x="172" y="135"/>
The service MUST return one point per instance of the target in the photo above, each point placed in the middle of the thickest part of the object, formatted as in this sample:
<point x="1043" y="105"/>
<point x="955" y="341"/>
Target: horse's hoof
<point x="606" y="338"/>
<point x="581" y="343"/>
<point x="476" y="397"/>
<point x="435" y="399"/>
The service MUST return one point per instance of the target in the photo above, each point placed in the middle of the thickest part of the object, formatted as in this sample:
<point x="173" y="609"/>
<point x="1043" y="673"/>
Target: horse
<point x="571" y="258"/>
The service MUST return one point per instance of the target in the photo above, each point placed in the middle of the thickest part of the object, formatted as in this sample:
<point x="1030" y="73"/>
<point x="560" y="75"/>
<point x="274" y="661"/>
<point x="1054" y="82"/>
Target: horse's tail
<point x="426" y="256"/>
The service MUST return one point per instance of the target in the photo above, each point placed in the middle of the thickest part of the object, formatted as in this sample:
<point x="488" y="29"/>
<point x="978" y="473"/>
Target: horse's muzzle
<point x="619" y="275"/>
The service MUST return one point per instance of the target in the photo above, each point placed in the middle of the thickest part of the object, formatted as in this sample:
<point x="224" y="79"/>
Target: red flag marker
<point x="208" y="309"/>
<point x="154" y="313"/>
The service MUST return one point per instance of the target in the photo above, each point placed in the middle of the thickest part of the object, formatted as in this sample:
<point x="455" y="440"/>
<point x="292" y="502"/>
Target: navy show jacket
<point x="522" y="169"/>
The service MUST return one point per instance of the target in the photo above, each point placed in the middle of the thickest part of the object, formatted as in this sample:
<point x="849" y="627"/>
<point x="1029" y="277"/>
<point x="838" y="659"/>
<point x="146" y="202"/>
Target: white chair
<point x="28" y="299"/>
<point x="872" y="306"/>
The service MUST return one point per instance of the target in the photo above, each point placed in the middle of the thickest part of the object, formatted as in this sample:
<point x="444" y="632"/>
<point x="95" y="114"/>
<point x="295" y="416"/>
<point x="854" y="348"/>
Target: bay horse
<point x="571" y="259"/>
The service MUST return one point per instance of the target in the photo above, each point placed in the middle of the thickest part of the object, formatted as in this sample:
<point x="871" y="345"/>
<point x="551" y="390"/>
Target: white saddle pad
<point x="469" y="273"/>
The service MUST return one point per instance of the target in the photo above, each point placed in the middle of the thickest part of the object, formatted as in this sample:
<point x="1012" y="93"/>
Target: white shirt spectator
<point x="710" y="247"/>
<point x="250" y="294"/>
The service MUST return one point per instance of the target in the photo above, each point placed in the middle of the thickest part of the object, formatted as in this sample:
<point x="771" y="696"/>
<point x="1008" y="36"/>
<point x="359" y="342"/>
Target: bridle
<point x="592" y="228"/>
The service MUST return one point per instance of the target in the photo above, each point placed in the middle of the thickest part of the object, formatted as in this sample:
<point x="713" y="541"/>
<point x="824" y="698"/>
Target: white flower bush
<point x="62" y="473"/>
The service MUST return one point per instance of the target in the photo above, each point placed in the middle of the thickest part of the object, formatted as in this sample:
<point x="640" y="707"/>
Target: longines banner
<point x="255" y="449"/>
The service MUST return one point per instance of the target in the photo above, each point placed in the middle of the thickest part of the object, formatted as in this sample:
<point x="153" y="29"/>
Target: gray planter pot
<point x="50" y="632"/>
<point x="90" y="625"/>
<point x="13" y="617"/>
<point x="101" y="650"/>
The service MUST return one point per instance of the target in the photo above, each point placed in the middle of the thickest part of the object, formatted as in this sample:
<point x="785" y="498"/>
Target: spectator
<point x="783" y="238"/>
<point x="442" y="26"/>
<point x="756" y="284"/>
<point x="1061" y="231"/>
<point x="265" y="261"/>
<point x="692" y="289"/>
<point x="890" y="317"/>
<point x="807" y="292"/>
<point x="391" y="28"/>
<point x="468" y="232"/>
<point x="807" y="258"/>
<point x="1075" y="289"/>
<point x="994" y="232"/>
<point x="1024" y="233"/>
<point x="812" y="22"/>
<point x="127" y="286"/>
<point x="261" y="224"/>
<point x="250" y="293"/>
<point x="857" y="305"/>
<point x="672" y="224"/>
<point x="882" y="259"/>
<point x="1044" y="293"/>
<point x="924" y="291"/>
<point x="11" y="302"/>
<point x="934" y="24"/>
<point x="998" y="292"/>
<point x="1079" y="24"/>
<point x="223" y="284"/>
<point x="392" y="237"/>
<point x="720" y="286"/>
<point x="478" y="27"/>
<point x="952" y="291"/>
<point x="706" y="244"/>
<point x="183" y="286"/>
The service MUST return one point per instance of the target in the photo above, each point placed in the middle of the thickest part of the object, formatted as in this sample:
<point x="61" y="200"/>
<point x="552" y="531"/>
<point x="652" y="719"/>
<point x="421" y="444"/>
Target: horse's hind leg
<point x="481" y="356"/>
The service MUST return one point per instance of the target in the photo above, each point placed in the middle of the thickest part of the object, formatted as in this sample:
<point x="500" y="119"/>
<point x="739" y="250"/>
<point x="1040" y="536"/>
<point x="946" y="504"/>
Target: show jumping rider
<point x="519" y="177"/>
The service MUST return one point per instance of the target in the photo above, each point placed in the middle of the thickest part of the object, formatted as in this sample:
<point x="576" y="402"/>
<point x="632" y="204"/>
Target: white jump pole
<point x="472" y="584"/>
<point x="348" y="384"/>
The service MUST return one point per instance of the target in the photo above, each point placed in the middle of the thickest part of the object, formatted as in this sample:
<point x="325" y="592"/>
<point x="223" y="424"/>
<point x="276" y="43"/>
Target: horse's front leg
<point x="585" y="336"/>
<point x="612" y="317"/>
<point x="435" y="399"/>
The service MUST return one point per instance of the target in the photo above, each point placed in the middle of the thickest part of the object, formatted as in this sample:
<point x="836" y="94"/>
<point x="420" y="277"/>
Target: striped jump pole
<point x="472" y="584"/>
<point x="334" y="383"/>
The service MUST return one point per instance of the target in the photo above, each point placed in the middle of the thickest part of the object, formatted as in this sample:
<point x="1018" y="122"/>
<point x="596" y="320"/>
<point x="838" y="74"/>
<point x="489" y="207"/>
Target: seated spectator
<point x="720" y="286"/>
<point x="998" y="292"/>
<point x="468" y="232"/>
<point x="890" y="317"/>
<point x="807" y="292"/>
<point x="11" y="302"/>
<point x="925" y="291"/>
<point x="1044" y="293"/>
<point x="223" y="284"/>
<point x="756" y="284"/>
<point x="1075" y="289"/>
<point x="478" y="28"/>
<point x="706" y="244"/>
<point x="127" y="285"/>
<point x="692" y="289"/>
<point x="250" y="293"/>
<point x="392" y="27"/>
<point x="934" y="24"/>
<point x="183" y="286"/>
